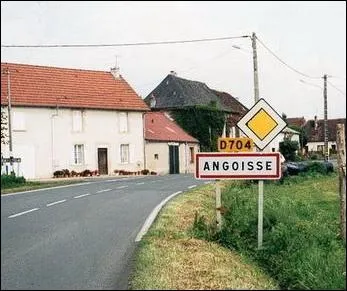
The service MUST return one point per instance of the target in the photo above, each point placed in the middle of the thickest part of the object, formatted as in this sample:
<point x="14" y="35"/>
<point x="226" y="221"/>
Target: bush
<point x="86" y="173"/>
<point x="288" y="149"/>
<point x="322" y="168"/>
<point x="58" y="174"/>
<point x="145" y="172"/>
<point x="10" y="181"/>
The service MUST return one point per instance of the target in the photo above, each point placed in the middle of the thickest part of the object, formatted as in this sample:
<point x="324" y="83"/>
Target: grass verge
<point x="169" y="257"/>
<point x="27" y="186"/>
<point x="302" y="247"/>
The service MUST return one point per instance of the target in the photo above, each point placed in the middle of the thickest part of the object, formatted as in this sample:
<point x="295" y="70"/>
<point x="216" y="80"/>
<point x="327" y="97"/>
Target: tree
<point x="288" y="149"/>
<point x="302" y="136"/>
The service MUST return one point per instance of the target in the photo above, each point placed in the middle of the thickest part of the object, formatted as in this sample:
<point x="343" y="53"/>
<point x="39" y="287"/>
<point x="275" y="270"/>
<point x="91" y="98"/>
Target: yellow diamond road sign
<point x="262" y="124"/>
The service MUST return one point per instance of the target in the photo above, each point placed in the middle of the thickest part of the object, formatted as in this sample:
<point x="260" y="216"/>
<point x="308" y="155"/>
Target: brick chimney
<point x="173" y="73"/>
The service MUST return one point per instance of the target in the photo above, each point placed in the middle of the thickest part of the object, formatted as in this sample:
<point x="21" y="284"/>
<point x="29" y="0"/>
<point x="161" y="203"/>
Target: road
<point x="79" y="236"/>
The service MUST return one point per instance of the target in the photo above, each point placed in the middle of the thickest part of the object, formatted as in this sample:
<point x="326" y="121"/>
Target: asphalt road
<point x="79" y="236"/>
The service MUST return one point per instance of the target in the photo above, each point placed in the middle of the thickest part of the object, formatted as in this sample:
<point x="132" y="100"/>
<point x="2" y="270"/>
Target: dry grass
<point x="169" y="258"/>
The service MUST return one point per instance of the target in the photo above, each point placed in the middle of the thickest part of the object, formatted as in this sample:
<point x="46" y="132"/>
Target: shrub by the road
<point x="11" y="181"/>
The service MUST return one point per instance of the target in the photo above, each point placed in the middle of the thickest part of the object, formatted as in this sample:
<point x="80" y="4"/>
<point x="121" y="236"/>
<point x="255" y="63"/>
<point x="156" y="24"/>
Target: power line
<point x="290" y="67"/>
<point x="302" y="81"/>
<point x="122" y="44"/>
<point x="337" y="88"/>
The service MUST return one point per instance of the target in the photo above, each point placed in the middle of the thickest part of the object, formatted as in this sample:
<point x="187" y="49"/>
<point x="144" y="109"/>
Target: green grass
<point x="302" y="247"/>
<point x="27" y="186"/>
<point x="170" y="258"/>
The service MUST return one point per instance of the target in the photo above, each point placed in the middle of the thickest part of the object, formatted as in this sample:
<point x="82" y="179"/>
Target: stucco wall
<point x="161" y="165"/>
<point x="49" y="138"/>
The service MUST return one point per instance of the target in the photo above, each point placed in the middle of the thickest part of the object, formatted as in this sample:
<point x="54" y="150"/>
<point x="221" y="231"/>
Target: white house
<point x="169" y="149"/>
<point x="71" y="119"/>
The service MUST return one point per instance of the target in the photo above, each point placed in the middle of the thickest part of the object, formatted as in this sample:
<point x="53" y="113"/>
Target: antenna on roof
<point x="115" y="70"/>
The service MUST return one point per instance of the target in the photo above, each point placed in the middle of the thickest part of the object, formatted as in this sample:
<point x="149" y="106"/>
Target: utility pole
<point x="255" y="68"/>
<point x="260" y="182"/>
<point x="326" y="149"/>
<point x="7" y="71"/>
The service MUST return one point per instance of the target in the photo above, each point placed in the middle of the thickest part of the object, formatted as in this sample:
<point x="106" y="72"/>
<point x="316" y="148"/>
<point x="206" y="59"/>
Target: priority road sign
<point x="241" y="166"/>
<point x="262" y="124"/>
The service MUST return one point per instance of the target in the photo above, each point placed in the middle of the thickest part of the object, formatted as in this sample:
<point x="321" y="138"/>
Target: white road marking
<point x="152" y="217"/>
<point x="141" y="183"/>
<point x="105" y="190"/>
<point x="24" y="212"/>
<point x="56" y="202"/>
<point x="191" y="187"/>
<point x="83" y="195"/>
<point x="121" y="187"/>
<point x="43" y="189"/>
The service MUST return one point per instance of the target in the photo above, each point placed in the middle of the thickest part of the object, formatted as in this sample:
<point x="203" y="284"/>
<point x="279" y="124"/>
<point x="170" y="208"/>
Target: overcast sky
<point x="308" y="36"/>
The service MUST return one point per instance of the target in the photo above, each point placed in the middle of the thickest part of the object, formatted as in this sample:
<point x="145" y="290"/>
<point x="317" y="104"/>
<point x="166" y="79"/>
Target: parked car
<point x="294" y="168"/>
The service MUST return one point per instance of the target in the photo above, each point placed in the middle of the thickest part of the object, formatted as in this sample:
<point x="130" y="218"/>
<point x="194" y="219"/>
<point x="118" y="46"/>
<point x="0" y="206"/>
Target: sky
<point x="303" y="41"/>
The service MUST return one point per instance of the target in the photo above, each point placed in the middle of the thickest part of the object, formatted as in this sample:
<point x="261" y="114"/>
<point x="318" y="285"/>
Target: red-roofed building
<point x="72" y="119"/>
<point x="168" y="148"/>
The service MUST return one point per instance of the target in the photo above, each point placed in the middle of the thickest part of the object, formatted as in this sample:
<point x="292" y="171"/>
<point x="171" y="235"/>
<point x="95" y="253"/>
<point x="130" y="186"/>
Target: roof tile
<point x="158" y="127"/>
<point x="51" y="86"/>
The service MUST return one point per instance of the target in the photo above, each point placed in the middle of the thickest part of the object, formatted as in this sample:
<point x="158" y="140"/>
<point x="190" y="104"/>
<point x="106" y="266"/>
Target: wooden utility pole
<point x="326" y="149"/>
<point x="341" y="163"/>
<point x="7" y="72"/>
<point x="260" y="182"/>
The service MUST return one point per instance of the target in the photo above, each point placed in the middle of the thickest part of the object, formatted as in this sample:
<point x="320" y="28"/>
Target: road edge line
<point x="151" y="217"/>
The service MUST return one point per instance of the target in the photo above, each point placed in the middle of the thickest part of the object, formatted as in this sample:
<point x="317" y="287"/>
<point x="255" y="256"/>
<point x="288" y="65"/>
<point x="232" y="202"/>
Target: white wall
<point x="161" y="165"/>
<point x="313" y="146"/>
<point x="49" y="138"/>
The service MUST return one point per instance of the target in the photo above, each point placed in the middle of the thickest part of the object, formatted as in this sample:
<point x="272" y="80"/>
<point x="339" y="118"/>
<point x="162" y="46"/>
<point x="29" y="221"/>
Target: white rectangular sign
<point x="241" y="166"/>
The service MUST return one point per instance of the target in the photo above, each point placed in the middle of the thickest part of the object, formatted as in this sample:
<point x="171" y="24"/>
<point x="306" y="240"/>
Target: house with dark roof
<point x="314" y="129"/>
<point x="175" y="93"/>
<point x="71" y="119"/>
<point x="298" y="122"/>
<point x="168" y="148"/>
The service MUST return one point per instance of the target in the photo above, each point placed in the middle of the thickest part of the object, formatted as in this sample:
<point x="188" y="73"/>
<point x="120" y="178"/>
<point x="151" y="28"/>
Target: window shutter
<point x="87" y="159"/>
<point x="72" y="157"/>
<point x="131" y="153"/>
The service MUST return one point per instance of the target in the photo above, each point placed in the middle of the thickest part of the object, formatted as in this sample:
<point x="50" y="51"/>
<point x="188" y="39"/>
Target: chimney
<point x="115" y="72"/>
<point x="152" y="101"/>
<point x="173" y="73"/>
<point x="315" y="122"/>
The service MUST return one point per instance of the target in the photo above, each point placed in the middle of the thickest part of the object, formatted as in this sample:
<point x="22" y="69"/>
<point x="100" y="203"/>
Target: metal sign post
<point x="262" y="124"/>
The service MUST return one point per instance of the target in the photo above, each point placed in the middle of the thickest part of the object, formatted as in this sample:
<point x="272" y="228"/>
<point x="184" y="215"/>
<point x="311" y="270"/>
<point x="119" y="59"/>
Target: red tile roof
<point x="50" y="86"/>
<point x="158" y="127"/>
<point x="315" y="132"/>
<point x="296" y="121"/>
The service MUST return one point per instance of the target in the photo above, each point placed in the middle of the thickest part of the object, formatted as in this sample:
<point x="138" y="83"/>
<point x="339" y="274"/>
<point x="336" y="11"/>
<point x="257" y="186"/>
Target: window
<point x="320" y="148"/>
<point x="79" y="154"/>
<point x="123" y="122"/>
<point x="191" y="151"/>
<point x="124" y="153"/>
<point x="18" y="121"/>
<point x="77" y="120"/>
<point x="156" y="156"/>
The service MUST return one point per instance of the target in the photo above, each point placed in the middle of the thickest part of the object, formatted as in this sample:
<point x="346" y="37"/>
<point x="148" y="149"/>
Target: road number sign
<point x="241" y="166"/>
<point x="228" y="144"/>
